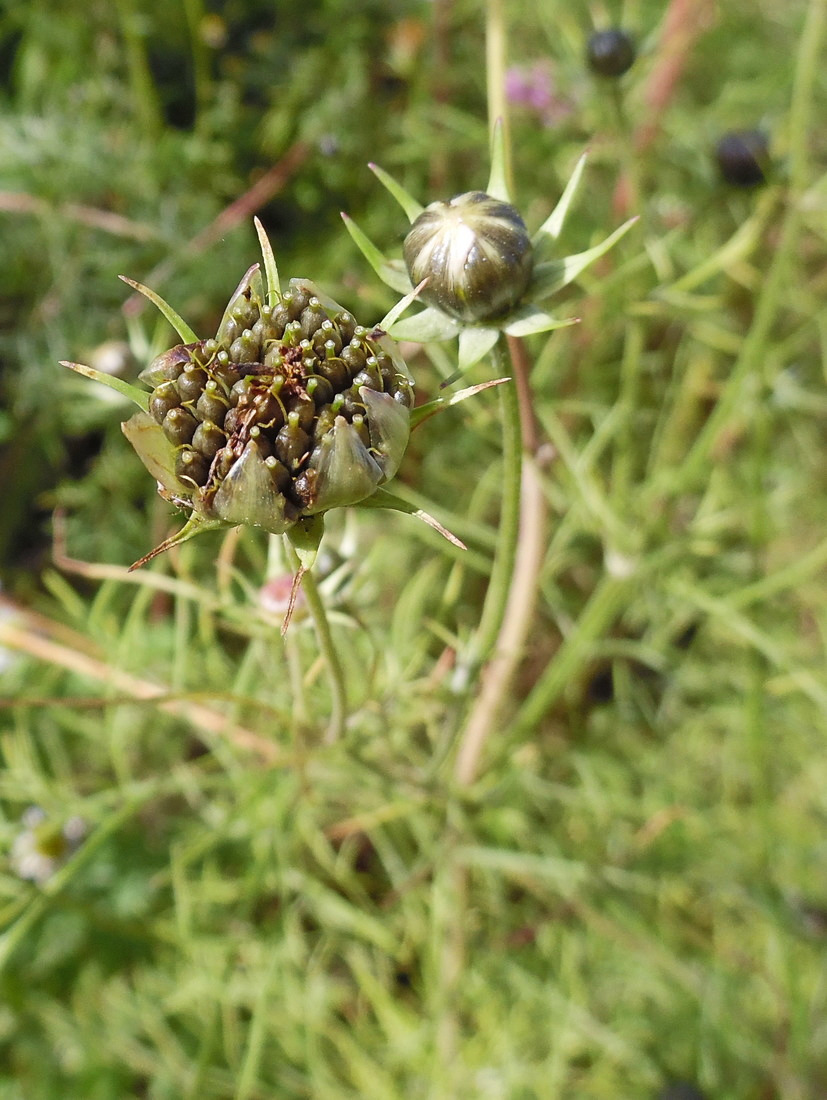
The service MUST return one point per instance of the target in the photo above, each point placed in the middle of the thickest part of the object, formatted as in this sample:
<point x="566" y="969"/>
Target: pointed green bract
<point x="271" y="271"/>
<point x="139" y="397"/>
<point x="396" y="312"/>
<point x="195" y="525"/>
<point x="430" y="408"/>
<point x="305" y="538"/>
<point x="346" y="472"/>
<point x="250" y="288"/>
<point x="551" y="228"/>
<point x="391" y="276"/>
<point x="553" y="275"/>
<point x="429" y="326"/>
<point x="475" y="344"/>
<point x="389" y="425"/>
<point x="531" y="320"/>
<point x="405" y="199"/>
<point x="497" y="182"/>
<point x="154" y="450"/>
<point x="248" y="495"/>
<point x="383" y="499"/>
<point x="178" y="323"/>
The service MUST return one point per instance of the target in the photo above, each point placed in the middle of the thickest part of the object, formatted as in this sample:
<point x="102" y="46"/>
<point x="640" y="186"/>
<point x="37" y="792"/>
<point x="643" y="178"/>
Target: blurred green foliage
<point x="645" y="852"/>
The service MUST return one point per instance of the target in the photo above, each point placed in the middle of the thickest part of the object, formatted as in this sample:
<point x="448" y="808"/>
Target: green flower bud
<point x="475" y="253"/>
<point x="291" y="410"/>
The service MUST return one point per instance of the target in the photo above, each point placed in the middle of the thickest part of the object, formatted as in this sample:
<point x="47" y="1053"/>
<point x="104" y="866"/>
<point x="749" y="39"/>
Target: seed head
<point x="291" y="409"/>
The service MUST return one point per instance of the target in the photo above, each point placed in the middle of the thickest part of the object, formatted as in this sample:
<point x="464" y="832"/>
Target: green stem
<point x="525" y="554"/>
<point x="335" y="673"/>
<point x="496" y="596"/>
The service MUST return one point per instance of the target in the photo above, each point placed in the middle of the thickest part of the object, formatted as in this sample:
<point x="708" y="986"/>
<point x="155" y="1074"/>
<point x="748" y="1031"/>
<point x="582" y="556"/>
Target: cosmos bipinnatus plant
<point x="292" y="408"/>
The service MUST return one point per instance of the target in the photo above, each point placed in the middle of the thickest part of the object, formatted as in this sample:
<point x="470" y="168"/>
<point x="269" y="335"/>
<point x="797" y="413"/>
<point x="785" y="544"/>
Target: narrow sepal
<point x="552" y="227"/>
<point x="139" y="397"/>
<point x="383" y="499"/>
<point x="389" y="424"/>
<point x="553" y="275"/>
<point x="530" y="320"/>
<point x="405" y="199"/>
<point x="423" y="412"/>
<point x="250" y="288"/>
<point x="474" y="344"/>
<point x="395" y="278"/>
<point x="271" y="271"/>
<point x="248" y="494"/>
<point x="177" y="322"/>
<point x="346" y="472"/>
<point x="396" y="312"/>
<point x="195" y="525"/>
<point x="428" y="327"/>
<point x="154" y="450"/>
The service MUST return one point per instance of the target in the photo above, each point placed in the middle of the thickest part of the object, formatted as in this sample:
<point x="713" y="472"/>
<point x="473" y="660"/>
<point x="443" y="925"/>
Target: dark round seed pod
<point x="278" y="472"/>
<point x="245" y="348"/>
<point x="208" y="439"/>
<point x="354" y="356"/>
<point x="191" y="383"/>
<point x="192" y="466"/>
<point x="295" y="300"/>
<point x="346" y="324"/>
<point x="404" y="393"/>
<point x="262" y="441"/>
<point x="327" y="336"/>
<point x="292" y="443"/>
<point x="245" y="313"/>
<point x="319" y="388"/>
<point x="302" y="491"/>
<point x="743" y="157"/>
<point x="324" y="422"/>
<point x="610" y="53"/>
<point x="351" y="403"/>
<point x="212" y="404"/>
<point x="232" y="421"/>
<point x="240" y="392"/>
<point x="267" y="409"/>
<point x="179" y="426"/>
<point x="162" y="399"/>
<point x="475" y="252"/>
<point x="312" y="317"/>
<point x="305" y="411"/>
<point x="167" y="366"/>
<point x="335" y="371"/>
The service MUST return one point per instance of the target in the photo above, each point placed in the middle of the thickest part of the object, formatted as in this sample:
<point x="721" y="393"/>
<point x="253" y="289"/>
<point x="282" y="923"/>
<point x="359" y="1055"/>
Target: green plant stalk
<point x="496" y="596"/>
<point x="526" y="552"/>
<point x="335" y="673"/>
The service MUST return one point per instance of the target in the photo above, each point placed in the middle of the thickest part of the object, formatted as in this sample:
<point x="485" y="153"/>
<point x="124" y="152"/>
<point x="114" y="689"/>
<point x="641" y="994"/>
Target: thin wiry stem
<point x="335" y="673"/>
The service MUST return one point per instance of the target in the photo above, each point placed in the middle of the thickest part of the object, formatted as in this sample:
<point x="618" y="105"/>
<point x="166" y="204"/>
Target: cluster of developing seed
<point x="291" y="409"/>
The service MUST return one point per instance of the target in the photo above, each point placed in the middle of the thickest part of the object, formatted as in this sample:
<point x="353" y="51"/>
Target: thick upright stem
<point x="528" y="539"/>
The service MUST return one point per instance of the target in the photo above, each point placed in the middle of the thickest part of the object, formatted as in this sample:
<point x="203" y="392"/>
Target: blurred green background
<point x="252" y="914"/>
